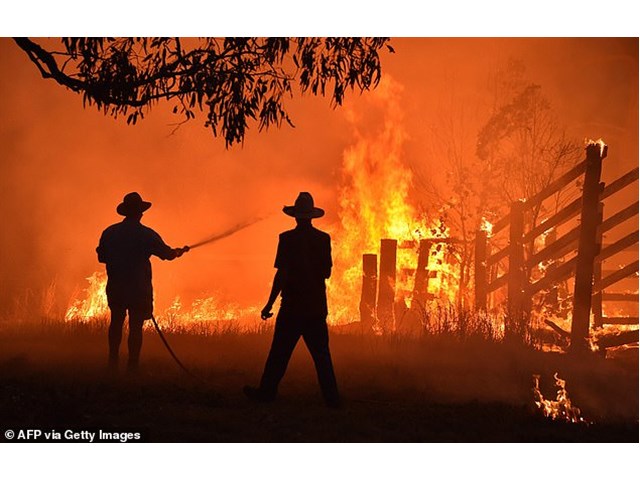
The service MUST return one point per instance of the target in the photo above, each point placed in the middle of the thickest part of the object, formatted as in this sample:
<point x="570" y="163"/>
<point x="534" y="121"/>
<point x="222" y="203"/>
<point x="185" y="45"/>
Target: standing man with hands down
<point x="303" y="263"/>
<point x="125" y="248"/>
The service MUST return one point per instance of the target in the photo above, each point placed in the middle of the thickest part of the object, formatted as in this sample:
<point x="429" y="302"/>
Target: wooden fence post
<point x="551" y="298"/>
<point x="421" y="279"/>
<point x="516" y="316"/>
<point x="369" y="290"/>
<point x="587" y="248"/>
<point x="597" y="270"/>
<point x="480" y="271"/>
<point x="387" y="284"/>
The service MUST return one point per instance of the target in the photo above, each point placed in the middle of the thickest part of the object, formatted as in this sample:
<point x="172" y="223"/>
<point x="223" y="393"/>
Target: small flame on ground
<point x="560" y="408"/>
<point x="94" y="304"/>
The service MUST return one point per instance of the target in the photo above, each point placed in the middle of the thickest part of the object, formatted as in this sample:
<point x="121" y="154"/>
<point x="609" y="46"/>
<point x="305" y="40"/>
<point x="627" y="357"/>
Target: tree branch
<point x="42" y="58"/>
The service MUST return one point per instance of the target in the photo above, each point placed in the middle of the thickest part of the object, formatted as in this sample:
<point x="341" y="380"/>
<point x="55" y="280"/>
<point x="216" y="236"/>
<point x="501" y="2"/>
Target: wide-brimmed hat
<point x="303" y="208"/>
<point x="132" y="204"/>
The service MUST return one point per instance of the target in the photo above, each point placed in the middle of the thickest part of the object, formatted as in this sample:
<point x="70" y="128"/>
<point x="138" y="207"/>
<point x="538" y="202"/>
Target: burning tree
<point x="234" y="80"/>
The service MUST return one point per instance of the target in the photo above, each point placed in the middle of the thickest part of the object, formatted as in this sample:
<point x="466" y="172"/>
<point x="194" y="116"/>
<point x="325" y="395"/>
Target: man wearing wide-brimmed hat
<point x="126" y="247"/>
<point x="303" y="263"/>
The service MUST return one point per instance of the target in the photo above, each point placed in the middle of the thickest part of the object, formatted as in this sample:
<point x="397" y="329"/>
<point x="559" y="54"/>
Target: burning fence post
<point x="516" y="316"/>
<point x="387" y="284"/>
<point x="552" y="297"/>
<point x="480" y="271"/>
<point x="421" y="283"/>
<point x="587" y="246"/>
<point x="369" y="287"/>
<point x="597" y="269"/>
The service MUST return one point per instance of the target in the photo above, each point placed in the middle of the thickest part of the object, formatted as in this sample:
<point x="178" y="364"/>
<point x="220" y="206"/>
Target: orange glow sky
<point x="65" y="168"/>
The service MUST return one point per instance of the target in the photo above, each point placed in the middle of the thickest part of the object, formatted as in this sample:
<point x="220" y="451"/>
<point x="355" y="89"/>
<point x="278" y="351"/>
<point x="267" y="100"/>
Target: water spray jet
<point x="227" y="233"/>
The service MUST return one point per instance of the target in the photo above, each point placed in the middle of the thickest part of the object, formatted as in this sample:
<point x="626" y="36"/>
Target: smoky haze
<point x="65" y="168"/>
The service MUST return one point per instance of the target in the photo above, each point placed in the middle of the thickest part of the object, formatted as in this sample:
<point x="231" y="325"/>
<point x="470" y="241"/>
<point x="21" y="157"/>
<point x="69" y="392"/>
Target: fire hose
<point x="208" y="240"/>
<point x="166" y="344"/>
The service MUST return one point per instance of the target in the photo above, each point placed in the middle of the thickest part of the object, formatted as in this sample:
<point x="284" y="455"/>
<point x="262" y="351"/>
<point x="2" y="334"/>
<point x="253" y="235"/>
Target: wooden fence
<point x="586" y="267"/>
<point x="380" y="296"/>
<point x="522" y="278"/>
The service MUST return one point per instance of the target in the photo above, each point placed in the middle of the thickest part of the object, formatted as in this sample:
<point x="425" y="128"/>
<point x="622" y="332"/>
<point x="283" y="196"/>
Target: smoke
<point x="65" y="168"/>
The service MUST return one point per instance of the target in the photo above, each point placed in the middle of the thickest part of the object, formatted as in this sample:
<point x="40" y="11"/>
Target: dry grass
<point x="430" y="387"/>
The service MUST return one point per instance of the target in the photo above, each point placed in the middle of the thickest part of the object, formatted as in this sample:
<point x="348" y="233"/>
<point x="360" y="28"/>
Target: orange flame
<point x="376" y="203"/>
<point x="598" y="142"/>
<point x="486" y="226"/>
<point x="560" y="408"/>
<point x="93" y="305"/>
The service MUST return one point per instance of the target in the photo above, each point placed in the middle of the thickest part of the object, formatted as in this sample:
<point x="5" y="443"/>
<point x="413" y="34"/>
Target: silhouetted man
<point x="303" y="263"/>
<point x="125" y="247"/>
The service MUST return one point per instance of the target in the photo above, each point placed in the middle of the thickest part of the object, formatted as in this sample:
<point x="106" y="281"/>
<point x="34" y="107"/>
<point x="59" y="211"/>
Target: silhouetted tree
<point x="518" y="150"/>
<point x="233" y="80"/>
<point x="522" y="147"/>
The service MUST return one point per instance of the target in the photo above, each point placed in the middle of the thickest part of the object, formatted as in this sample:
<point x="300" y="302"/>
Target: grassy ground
<point x="396" y="389"/>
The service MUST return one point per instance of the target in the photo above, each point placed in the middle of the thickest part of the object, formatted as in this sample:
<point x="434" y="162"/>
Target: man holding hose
<point x="125" y="248"/>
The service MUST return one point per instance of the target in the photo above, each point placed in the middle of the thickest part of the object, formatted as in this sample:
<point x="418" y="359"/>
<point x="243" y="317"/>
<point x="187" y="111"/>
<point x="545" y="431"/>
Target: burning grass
<point x="559" y="409"/>
<point x="443" y="375"/>
<point x="210" y="315"/>
<point x="433" y="387"/>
